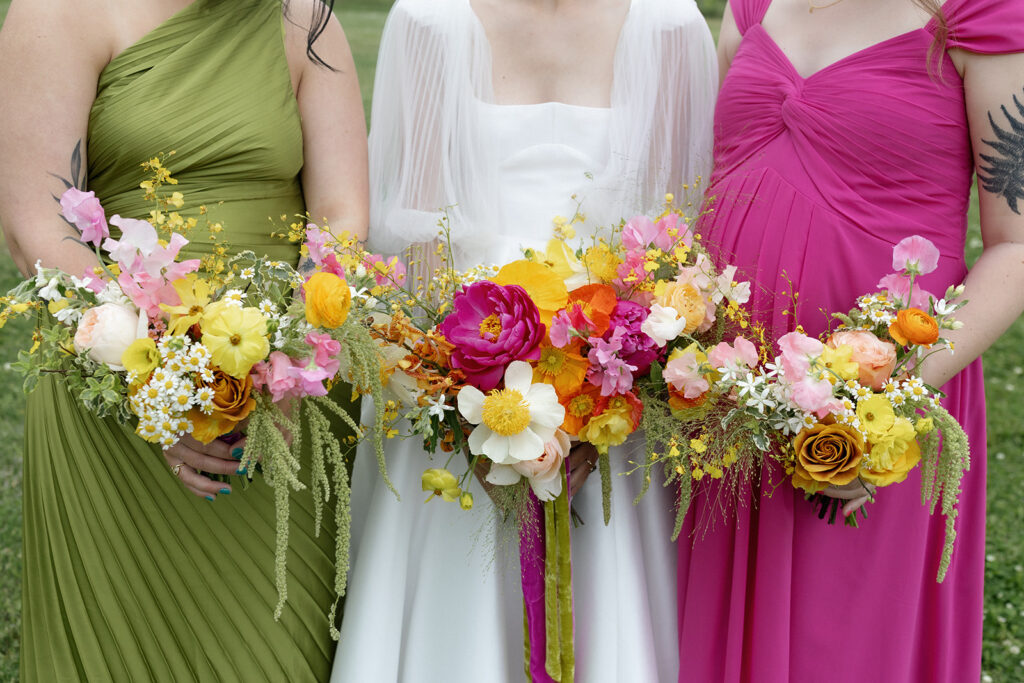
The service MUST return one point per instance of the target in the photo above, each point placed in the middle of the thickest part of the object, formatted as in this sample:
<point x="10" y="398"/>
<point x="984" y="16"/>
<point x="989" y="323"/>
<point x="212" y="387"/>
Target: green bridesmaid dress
<point x="127" y="575"/>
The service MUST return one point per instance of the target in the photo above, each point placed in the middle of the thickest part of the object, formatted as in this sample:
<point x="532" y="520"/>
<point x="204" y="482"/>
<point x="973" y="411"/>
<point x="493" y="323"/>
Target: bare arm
<point x="51" y="55"/>
<point x="728" y="42"/>
<point x="994" y="87"/>
<point x="334" y="178"/>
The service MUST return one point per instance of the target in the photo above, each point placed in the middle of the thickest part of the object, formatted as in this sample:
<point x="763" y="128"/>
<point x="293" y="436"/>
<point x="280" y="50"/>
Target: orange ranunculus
<point x="232" y="403"/>
<point x="914" y="326"/>
<point x="328" y="300"/>
<point x="580" y="407"/>
<point x="563" y="368"/>
<point x="687" y="302"/>
<point x="678" y="401"/>
<point x="596" y="302"/>
<point x="828" y="454"/>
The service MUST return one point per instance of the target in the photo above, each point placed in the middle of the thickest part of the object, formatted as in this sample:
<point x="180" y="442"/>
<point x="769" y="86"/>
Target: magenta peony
<point x="637" y="348"/>
<point x="490" y="326"/>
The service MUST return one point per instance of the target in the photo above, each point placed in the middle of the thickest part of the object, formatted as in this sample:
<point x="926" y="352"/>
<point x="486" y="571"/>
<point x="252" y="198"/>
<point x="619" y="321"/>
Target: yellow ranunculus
<point x="236" y="337"/>
<point x="141" y="357"/>
<point x="613" y="426"/>
<point x="840" y="361"/>
<point x="887" y="449"/>
<point x="546" y="289"/>
<point x="876" y="417"/>
<point x="441" y="482"/>
<point x="328" y="300"/>
<point x="899" y="469"/>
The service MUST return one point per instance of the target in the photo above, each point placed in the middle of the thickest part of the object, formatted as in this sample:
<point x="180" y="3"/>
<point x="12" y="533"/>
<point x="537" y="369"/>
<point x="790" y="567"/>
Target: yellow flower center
<point x="195" y="310"/>
<point x="235" y="339"/>
<point x="505" y="412"/>
<point x="581" y="406"/>
<point x="490" y="327"/>
<point x="552" y="361"/>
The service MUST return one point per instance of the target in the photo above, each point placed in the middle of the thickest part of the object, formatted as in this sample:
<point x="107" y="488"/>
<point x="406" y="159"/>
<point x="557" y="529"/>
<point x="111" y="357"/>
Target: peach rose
<point x="105" y="332"/>
<point x="875" y="358"/>
<point x="828" y="454"/>
<point x="232" y="403"/>
<point x="914" y="326"/>
<point x="687" y="302"/>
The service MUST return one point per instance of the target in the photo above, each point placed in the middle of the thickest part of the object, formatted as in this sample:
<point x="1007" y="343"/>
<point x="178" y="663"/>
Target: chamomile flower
<point x="267" y="308"/>
<point x="247" y="273"/>
<point x="204" y="399"/>
<point x="234" y="297"/>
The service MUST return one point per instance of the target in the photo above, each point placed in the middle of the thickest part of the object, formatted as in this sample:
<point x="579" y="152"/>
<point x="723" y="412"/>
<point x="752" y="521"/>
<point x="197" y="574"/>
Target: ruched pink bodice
<point x="816" y="177"/>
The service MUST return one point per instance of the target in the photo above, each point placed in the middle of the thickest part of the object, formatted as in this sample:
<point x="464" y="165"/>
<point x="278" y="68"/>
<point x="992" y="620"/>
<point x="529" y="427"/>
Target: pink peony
<point x="915" y="255"/>
<point x="875" y="358"/>
<point x="85" y="211"/>
<point x="742" y="354"/>
<point x="637" y="348"/>
<point x="490" y="326"/>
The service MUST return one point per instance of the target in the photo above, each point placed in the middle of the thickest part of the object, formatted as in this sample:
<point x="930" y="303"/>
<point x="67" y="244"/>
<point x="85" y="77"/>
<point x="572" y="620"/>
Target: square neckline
<point x="759" y="24"/>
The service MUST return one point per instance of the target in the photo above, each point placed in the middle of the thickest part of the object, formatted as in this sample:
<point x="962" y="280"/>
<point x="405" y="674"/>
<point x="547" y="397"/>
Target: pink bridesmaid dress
<point x="817" y="178"/>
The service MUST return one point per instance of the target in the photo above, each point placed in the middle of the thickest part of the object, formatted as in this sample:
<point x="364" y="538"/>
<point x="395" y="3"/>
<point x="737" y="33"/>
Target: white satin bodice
<point x="547" y="157"/>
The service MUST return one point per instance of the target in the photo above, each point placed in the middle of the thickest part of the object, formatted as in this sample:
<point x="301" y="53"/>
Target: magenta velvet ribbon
<point x="531" y="563"/>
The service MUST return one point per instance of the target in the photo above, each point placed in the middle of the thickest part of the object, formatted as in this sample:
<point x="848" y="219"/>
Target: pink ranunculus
<point x="86" y="212"/>
<point x="608" y="369"/>
<point x="797" y="351"/>
<point x="683" y="373"/>
<point x="915" y="255"/>
<point x="741" y="354"/>
<point x="325" y="351"/>
<point x="490" y="326"/>
<point x="898" y="287"/>
<point x="280" y="380"/>
<point x="815" y="396"/>
<point x="875" y="358"/>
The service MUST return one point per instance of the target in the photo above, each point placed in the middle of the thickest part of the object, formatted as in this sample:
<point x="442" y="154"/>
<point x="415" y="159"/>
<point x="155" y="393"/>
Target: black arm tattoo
<point x="1004" y="173"/>
<point x="77" y="181"/>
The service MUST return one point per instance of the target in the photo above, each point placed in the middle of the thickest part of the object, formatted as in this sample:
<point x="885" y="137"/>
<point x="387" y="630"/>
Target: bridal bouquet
<point x="204" y="348"/>
<point x="847" y="408"/>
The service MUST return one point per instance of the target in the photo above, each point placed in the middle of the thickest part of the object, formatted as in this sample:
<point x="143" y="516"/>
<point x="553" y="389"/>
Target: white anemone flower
<point x="514" y="423"/>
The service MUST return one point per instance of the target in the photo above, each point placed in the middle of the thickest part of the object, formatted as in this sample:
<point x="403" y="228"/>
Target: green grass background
<point x="1004" y="592"/>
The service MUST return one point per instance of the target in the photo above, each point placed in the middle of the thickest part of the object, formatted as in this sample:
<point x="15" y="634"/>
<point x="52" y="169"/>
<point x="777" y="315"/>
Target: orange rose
<point x="914" y="326"/>
<point x="232" y="403"/>
<point x="828" y="454"/>
<point x="687" y="302"/>
<point x="328" y="300"/>
<point x="875" y="358"/>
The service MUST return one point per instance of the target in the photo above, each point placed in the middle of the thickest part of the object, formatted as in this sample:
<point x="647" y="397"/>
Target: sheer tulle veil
<point x="427" y="154"/>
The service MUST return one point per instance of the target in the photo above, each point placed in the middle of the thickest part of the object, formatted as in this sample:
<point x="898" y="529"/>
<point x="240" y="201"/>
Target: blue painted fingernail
<point x="225" y="491"/>
<point x="236" y="453"/>
<point x="242" y="470"/>
<point x="209" y="498"/>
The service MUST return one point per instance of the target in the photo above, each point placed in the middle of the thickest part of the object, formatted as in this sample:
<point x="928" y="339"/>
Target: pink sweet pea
<point x="279" y="379"/>
<point x="309" y="379"/>
<point x="93" y="283"/>
<point x="797" y="352"/>
<point x="316" y="241"/>
<point x="607" y="369"/>
<point x="390" y="271"/>
<point x="915" y="255"/>
<point x="137" y="238"/>
<point x="85" y="211"/>
<point x="815" y="396"/>
<point x="741" y="355"/>
<point x="325" y="351"/>
<point x="683" y="373"/>
<point x="898" y="286"/>
<point x="147" y="292"/>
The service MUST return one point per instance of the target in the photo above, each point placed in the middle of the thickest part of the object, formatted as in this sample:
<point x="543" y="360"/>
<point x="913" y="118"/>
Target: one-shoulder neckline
<point x="155" y="31"/>
<point x="928" y="28"/>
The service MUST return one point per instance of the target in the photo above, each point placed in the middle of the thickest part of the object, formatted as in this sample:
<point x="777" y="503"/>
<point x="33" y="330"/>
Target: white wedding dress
<point x="434" y="592"/>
